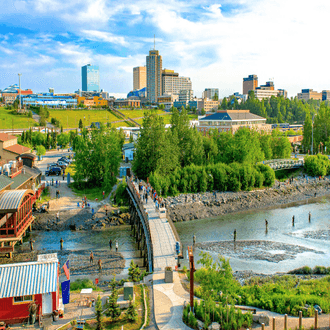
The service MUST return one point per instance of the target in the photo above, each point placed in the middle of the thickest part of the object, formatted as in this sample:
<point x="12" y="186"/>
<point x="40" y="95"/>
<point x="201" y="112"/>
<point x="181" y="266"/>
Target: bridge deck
<point x="162" y="236"/>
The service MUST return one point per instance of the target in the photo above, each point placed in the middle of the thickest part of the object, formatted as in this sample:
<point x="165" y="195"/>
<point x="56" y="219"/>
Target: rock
<point x="261" y="318"/>
<point x="214" y="326"/>
<point x="200" y="325"/>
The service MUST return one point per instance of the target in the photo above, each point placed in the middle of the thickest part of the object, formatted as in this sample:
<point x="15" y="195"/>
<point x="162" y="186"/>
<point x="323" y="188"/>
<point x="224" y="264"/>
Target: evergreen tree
<point x="134" y="272"/>
<point x="307" y="135"/>
<point x="98" y="314"/>
<point x="131" y="313"/>
<point x="113" y="309"/>
<point x="80" y="124"/>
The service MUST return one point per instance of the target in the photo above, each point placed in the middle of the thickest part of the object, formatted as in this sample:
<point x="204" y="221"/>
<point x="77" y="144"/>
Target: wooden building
<point x="23" y="284"/>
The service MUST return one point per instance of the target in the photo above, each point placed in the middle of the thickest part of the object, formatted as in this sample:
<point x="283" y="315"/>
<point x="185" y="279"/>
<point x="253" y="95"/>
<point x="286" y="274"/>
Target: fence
<point x="144" y="219"/>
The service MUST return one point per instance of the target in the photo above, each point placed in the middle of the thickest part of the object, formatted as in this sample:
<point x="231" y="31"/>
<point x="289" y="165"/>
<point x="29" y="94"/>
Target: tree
<point x="224" y="104"/>
<point x="41" y="150"/>
<point x="134" y="272"/>
<point x="113" y="309"/>
<point x="98" y="314"/>
<point x="80" y="124"/>
<point x="42" y="121"/>
<point x="63" y="139"/>
<point x="215" y="97"/>
<point x="131" y="313"/>
<point x="307" y="134"/>
<point x="203" y="112"/>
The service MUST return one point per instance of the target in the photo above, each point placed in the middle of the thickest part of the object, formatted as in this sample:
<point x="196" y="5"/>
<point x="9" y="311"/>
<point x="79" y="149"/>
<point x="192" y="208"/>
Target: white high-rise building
<point x="173" y="84"/>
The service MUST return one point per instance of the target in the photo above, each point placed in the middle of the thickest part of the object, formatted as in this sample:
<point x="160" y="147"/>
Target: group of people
<point x="146" y="191"/>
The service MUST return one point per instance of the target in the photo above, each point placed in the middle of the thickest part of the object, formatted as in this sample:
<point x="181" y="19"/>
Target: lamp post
<point x="19" y="82"/>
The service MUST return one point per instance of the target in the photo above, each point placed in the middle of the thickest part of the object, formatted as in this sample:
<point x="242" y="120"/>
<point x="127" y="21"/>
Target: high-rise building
<point x="211" y="93"/>
<point x="154" y="75"/>
<point x="90" y="77"/>
<point x="173" y="84"/>
<point x="325" y="95"/>
<point x="250" y="83"/>
<point x="139" y="77"/>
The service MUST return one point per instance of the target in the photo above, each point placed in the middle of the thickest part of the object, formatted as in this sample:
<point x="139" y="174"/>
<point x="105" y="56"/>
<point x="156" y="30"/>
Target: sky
<point x="215" y="43"/>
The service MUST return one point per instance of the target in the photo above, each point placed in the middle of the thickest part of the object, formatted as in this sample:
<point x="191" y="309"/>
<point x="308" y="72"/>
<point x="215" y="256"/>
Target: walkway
<point x="169" y="298"/>
<point x="162" y="236"/>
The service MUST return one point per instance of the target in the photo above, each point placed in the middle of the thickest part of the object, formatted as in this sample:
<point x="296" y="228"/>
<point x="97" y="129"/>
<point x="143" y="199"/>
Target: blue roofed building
<point x="50" y="100"/>
<point x="232" y="120"/>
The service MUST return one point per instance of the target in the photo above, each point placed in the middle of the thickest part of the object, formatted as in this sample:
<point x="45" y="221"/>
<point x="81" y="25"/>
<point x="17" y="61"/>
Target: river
<point x="305" y="243"/>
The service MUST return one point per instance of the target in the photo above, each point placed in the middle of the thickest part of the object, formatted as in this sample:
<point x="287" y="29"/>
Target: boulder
<point x="261" y="318"/>
<point x="200" y="325"/>
<point x="214" y="326"/>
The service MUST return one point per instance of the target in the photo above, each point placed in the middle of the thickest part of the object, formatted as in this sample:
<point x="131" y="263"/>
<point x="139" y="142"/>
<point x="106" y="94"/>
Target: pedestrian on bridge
<point x="235" y="235"/>
<point x="61" y="243"/>
<point x="293" y="220"/>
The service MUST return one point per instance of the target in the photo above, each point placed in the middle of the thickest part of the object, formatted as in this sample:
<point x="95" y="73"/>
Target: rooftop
<point x="6" y="137"/>
<point x="5" y="181"/>
<point x="18" y="149"/>
<point x="232" y="115"/>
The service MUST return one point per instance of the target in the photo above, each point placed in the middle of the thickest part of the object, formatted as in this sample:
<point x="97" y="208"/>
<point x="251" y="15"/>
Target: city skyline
<point x="213" y="44"/>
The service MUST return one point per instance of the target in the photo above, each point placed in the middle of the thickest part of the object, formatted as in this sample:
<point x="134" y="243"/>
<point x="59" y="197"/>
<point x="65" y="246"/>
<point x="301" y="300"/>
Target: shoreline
<point x="186" y="207"/>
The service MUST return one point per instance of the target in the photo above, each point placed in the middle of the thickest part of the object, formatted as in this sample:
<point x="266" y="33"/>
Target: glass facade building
<point x="90" y="77"/>
<point x="50" y="100"/>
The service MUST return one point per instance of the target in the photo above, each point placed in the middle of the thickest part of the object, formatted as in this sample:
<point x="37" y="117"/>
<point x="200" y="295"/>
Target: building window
<point x="23" y="299"/>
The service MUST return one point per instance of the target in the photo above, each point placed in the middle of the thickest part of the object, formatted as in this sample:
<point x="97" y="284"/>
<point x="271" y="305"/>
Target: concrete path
<point x="169" y="299"/>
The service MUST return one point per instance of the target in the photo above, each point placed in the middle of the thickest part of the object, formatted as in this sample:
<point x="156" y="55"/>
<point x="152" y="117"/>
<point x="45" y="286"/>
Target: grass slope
<point x="8" y="119"/>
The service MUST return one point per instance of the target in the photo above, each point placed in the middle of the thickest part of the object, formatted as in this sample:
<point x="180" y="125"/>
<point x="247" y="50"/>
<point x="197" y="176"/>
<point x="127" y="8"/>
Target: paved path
<point x="162" y="237"/>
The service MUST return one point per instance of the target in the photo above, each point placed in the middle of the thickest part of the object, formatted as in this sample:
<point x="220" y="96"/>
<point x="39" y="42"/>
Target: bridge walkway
<point x="162" y="237"/>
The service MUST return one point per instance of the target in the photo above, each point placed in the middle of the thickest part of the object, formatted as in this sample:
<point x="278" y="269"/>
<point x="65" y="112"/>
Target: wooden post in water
<point x="262" y="326"/>
<point x="274" y="323"/>
<point x="300" y="319"/>
<point x="315" y="321"/>
<point x="286" y="322"/>
<point x="192" y="270"/>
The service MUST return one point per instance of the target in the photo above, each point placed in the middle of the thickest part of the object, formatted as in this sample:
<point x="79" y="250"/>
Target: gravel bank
<point x="187" y="207"/>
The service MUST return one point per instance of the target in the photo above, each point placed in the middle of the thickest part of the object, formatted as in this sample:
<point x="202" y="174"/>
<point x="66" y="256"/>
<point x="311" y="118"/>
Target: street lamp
<point x="19" y="81"/>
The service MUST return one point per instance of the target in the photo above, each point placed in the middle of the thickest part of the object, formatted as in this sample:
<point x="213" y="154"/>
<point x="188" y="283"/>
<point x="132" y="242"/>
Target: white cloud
<point x="105" y="36"/>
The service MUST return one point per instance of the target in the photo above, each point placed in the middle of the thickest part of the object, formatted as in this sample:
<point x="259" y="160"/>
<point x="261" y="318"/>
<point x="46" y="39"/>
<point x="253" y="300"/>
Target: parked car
<point x="53" y="171"/>
<point x="62" y="164"/>
<point x="64" y="159"/>
<point x="51" y="164"/>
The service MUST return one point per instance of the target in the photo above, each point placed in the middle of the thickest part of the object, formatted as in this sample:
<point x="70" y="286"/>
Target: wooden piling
<point x="274" y="323"/>
<point x="286" y="322"/>
<point x="315" y="320"/>
<point x="300" y="319"/>
<point x="262" y="326"/>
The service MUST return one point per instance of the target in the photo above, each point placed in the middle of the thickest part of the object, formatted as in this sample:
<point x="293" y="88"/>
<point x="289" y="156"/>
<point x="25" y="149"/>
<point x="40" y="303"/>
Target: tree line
<point x="165" y="155"/>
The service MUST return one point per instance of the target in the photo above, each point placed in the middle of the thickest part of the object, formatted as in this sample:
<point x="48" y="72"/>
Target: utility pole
<point x="19" y="81"/>
<point x="312" y="134"/>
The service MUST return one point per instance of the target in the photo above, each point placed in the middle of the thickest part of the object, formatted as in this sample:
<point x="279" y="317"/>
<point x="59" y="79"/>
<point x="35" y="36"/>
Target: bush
<point x="121" y="195"/>
<point x="318" y="165"/>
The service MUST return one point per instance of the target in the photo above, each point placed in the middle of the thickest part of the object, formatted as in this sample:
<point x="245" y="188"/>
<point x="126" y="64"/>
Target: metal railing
<point x="135" y="196"/>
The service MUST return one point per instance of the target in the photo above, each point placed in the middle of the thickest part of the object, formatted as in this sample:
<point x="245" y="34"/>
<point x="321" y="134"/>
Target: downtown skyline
<point x="215" y="44"/>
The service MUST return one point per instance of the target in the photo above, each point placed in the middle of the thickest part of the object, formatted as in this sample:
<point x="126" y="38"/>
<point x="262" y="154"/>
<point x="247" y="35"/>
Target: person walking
<point x="58" y="216"/>
<point x="293" y="220"/>
<point x="309" y="216"/>
<point x="266" y="223"/>
<point x="100" y="265"/>
<point x="91" y="258"/>
<point x="194" y="239"/>
<point x="110" y="243"/>
<point x="61" y="242"/>
<point x="63" y="176"/>
<point x="235" y="234"/>
<point x="116" y="246"/>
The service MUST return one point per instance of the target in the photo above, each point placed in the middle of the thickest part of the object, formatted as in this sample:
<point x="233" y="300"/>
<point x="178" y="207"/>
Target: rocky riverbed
<point x="80" y="219"/>
<point x="256" y="250"/>
<point x="187" y="207"/>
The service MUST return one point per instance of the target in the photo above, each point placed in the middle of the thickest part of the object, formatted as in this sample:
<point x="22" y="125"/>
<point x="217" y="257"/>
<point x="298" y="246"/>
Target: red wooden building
<point x="25" y="283"/>
<point x="15" y="217"/>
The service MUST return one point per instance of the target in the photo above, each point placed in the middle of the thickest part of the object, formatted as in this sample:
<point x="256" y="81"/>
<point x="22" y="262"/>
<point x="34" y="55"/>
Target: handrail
<point x="144" y="219"/>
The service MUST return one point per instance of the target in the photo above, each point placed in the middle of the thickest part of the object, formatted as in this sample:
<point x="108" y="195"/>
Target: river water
<point x="305" y="243"/>
<point x="283" y="247"/>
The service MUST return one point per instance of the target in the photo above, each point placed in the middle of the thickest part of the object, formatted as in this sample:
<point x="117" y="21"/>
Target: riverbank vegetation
<point x="281" y="294"/>
<point x="181" y="159"/>
<point x="318" y="165"/>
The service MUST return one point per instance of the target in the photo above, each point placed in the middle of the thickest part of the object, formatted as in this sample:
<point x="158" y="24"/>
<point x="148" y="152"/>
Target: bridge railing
<point x="144" y="218"/>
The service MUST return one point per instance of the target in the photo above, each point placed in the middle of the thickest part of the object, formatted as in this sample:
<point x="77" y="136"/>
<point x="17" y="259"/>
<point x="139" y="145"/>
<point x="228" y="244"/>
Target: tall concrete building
<point x="139" y="77"/>
<point x="90" y="77"/>
<point x="154" y="75"/>
<point x="210" y="93"/>
<point x="173" y="84"/>
<point x="250" y="83"/>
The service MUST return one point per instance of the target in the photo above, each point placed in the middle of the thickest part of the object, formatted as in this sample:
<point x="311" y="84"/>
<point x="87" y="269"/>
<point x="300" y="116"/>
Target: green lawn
<point x="10" y="120"/>
<point x="70" y="118"/>
<point x="138" y="113"/>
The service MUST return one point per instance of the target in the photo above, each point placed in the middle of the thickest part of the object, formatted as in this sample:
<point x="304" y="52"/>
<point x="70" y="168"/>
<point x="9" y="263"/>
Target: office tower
<point x="250" y="83"/>
<point x="90" y="78"/>
<point x="173" y="84"/>
<point x="211" y="93"/>
<point x="139" y="77"/>
<point x="154" y="75"/>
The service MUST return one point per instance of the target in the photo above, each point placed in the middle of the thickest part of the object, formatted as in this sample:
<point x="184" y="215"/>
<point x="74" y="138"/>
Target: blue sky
<point x="215" y="43"/>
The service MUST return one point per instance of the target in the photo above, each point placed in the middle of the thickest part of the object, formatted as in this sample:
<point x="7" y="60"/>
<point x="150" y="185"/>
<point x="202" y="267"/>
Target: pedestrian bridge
<point x="155" y="234"/>
<point x="284" y="164"/>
